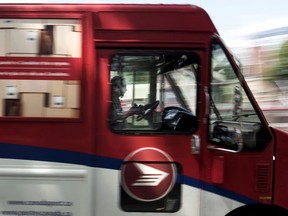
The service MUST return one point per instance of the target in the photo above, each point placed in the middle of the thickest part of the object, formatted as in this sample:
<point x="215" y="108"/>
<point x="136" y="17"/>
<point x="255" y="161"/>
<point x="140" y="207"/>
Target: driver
<point x="117" y="115"/>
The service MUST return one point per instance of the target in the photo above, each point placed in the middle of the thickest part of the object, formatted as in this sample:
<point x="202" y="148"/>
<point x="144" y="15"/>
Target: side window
<point x="234" y="123"/>
<point x="154" y="91"/>
<point x="40" y="68"/>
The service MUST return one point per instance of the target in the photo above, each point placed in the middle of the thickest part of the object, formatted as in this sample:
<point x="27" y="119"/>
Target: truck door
<point x="148" y="126"/>
<point x="239" y="147"/>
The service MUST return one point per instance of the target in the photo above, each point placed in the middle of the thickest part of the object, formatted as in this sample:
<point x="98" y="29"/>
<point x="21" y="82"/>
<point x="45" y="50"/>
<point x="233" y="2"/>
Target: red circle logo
<point x="149" y="174"/>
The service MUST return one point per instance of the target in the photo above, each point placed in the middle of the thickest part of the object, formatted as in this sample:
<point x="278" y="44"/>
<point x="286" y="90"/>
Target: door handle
<point x="195" y="144"/>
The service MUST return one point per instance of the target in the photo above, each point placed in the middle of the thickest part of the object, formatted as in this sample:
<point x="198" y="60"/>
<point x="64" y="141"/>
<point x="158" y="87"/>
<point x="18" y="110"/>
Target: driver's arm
<point x="135" y="110"/>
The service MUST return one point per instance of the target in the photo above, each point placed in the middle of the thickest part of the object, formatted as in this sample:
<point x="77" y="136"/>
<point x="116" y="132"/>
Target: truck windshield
<point x="225" y="86"/>
<point x="233" y="121"/>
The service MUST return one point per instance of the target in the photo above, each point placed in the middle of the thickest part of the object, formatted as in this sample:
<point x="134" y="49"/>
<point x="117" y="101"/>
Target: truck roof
<point x="123" y="16"/>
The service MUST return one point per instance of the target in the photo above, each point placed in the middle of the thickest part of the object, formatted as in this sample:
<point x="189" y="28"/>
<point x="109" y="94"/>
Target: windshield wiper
<point x="236" y="117"/>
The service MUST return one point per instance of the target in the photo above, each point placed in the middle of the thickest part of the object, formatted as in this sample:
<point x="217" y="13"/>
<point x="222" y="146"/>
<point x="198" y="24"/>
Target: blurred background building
<point x="265" y="67"/>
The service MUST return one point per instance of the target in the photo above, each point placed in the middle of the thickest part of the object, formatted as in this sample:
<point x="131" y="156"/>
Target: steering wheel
<point x="147" y="110"/>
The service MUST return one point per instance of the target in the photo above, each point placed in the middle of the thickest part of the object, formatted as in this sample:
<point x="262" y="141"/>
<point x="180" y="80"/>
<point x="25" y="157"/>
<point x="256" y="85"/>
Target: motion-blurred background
<point x="257" y="33"/>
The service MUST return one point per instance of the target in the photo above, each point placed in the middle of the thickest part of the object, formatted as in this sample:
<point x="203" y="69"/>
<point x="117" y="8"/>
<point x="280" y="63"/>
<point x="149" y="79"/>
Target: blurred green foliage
<point x="278" y="69"/>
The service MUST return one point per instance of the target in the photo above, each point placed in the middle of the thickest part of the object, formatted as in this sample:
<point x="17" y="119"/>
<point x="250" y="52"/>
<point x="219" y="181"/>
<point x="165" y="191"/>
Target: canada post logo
<point x="148" y="174"/>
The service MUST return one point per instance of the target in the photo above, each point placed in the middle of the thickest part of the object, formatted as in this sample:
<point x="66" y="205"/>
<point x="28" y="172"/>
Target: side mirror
<point x="229" y="136"/>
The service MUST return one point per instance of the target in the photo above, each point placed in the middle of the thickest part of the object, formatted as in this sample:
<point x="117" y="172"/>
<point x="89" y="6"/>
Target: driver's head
<point x="118" y="86"/>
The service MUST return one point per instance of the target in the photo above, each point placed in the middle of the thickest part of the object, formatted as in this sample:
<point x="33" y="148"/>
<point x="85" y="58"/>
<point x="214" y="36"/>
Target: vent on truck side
<point x="263" y="173"/>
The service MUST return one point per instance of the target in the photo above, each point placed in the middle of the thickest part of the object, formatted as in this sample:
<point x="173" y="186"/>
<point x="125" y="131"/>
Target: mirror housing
<point x="231" y="138"/>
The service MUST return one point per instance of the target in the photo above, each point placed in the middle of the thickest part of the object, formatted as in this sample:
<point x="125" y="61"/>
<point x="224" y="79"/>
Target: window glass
<point x="223" y="86"/>
<point x="234" y="122"/>
<point x="40" y="67"/>
<point x="154" y="90"/>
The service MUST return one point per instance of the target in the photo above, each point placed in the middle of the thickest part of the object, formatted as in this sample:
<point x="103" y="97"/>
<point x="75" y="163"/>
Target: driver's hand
<point x="136" y="109"/>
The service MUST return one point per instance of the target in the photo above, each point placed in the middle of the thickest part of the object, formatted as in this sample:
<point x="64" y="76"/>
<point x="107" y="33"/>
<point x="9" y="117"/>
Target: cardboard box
<point x="61" y="112"/>
<point x="1" y="107"/>
<point x="22" y="54"/>
<point x="9" y="89"/>
<point x="12" y="107"/>
<point x="62" y="41"/>
<point x="76" y="48"/>
<point x="72" y="96"/>
<point x="7" y="23"/>
<point x="75" y="23"/>
<point x="22" y="23"/>
<point x="3" y="42"/>
<point x="32" y="104"/>
<point x="28" y="23"/>
<point x="56" y="90"/>
<point x="35" y="86"/>
<point x="23" y="41"/>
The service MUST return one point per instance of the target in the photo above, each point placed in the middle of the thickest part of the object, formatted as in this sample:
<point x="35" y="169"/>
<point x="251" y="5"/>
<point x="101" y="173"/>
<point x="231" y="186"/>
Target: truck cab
<point x="128" y="110"/>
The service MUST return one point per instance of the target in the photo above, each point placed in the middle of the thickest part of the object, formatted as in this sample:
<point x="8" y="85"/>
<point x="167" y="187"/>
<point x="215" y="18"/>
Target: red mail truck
<point x="130" y="110"/>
